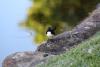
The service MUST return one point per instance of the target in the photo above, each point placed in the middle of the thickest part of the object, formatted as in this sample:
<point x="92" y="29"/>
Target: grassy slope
<point x="86" y="54"/>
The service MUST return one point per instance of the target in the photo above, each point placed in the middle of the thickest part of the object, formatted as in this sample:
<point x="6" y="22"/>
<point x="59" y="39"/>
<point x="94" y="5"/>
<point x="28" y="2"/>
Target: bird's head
<point x="50" y="28"/>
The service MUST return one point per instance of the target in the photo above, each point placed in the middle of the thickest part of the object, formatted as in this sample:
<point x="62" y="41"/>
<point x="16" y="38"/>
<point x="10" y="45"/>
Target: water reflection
<point x="13" y="38"/>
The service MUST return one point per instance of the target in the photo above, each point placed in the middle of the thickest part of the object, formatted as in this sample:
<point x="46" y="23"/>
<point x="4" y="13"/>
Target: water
<point x="12" y="38"/>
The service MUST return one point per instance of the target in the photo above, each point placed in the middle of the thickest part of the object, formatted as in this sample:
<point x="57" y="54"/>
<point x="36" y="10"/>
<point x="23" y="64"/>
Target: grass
<point x="86" y="54"/>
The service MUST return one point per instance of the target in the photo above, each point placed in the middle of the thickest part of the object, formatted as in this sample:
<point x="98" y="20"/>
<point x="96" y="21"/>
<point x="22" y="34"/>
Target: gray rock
<point x="25" y="59"/>
<point x="69" y="39"/>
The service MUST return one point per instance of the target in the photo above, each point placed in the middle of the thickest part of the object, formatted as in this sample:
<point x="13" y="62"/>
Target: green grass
<point x="86" y="54"/>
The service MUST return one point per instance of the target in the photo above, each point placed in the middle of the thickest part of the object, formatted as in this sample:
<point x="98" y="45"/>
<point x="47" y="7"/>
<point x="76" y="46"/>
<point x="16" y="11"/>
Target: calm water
<point x="12" y="38"/>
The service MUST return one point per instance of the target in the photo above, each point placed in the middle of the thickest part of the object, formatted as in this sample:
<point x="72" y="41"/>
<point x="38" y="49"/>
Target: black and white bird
<point x="50" y="32"/>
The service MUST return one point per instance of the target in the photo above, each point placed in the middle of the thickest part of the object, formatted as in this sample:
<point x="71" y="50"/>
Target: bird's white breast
<point x="49" y="34"/>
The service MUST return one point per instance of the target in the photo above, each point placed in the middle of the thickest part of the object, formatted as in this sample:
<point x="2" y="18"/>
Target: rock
<point x="66" y="40"/>
<point x="25" y="59"/>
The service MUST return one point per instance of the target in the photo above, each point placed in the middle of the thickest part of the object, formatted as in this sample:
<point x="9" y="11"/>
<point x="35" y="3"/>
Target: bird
<point x="50" y="32"/>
